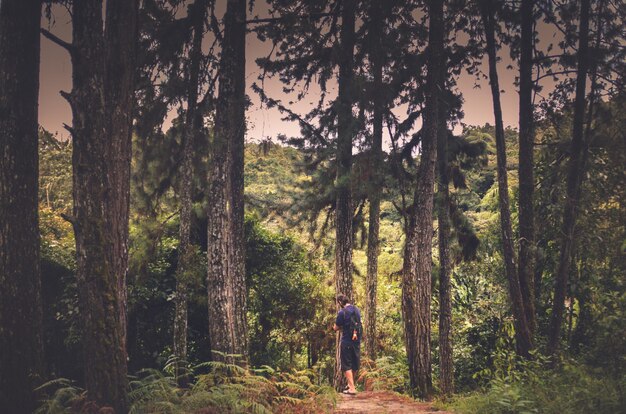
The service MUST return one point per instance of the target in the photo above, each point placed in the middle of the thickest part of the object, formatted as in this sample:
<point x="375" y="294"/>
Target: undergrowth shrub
<point x="388" y="374"/>
<point x="62" y="397"/>
<point x="536" y="388"/>
<point x="218" y="387"/>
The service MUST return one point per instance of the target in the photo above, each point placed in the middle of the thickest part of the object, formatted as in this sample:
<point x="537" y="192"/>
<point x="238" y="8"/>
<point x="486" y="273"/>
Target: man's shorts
<point x="350" y="356"/>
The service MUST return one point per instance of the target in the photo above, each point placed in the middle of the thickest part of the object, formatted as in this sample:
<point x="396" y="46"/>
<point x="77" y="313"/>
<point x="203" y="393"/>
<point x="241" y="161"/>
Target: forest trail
<point x="383" y="402"/>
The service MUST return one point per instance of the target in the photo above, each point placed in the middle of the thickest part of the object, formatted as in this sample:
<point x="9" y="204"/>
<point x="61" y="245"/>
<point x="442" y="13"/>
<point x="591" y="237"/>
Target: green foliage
<point x="388" y="374"/>
<point x="290" y="277"/>
<point x="272" y="180"/>
<point x="152" y="283"/>
<point x="55" y="199"/>
<point x="537" y="388"/>
<point x="61" y="394"/>
<point x="57" y="238"/>
<point x="60" y="318"/>
<point x="288" y="299"/>
<point x="55" y="172"/>
<point x="226" y="388"/>
<point x="501" y="399"/>
<point x="594" y="313"/>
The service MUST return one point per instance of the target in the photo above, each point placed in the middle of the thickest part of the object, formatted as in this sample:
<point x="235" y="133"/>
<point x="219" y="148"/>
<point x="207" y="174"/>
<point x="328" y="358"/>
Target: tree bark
<point x="345" y="132"/>
<point x="522" y="330"/>
<point x="446" y="366"/>
<point x="237" y="150"/>
<point x="574" y="181"/>
<point x="417" y="267"/>
<point x="375" y="188"/>
<point x="121" y="36"/>
<point x="21" y="355"/>
<point x="221" y="329"/>
<point x="526" y="177"/>
<point x="185" y="249"/>
<point x="226" y="287"/>
<point x="102" y="106"/>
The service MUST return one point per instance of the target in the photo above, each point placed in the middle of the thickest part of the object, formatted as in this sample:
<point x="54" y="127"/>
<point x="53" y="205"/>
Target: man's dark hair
<point x="342" y="299"/>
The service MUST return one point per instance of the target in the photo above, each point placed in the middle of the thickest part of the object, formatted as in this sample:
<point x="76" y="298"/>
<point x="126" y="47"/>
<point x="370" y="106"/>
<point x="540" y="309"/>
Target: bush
<point x="572" y="388"/>
<point x="388" y="374"/>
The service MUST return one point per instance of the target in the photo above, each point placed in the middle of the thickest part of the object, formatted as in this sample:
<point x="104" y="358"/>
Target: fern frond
<point x="257" y="408"/>
<point x="287" y="399"/>
<point x="57" y="382"/>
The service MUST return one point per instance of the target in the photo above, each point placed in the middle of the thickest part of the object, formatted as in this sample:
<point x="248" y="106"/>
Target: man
<point x="349" y="321"/>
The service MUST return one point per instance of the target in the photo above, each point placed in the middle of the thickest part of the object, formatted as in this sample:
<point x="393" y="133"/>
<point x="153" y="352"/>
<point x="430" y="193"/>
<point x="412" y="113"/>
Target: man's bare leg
<point x="350" y="379"/>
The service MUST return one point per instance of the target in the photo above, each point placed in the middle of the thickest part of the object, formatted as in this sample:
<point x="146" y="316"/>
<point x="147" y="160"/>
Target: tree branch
<point x="547" y="57"/>
<point x="551" y="74"/>
<point x="285" y="18"/>
<point x="68" y="97"/>
<point x="70" y="219"/>
<point x="273" y="103"/>
<point x="55" y="39"/>
<point x="69" y="129"/>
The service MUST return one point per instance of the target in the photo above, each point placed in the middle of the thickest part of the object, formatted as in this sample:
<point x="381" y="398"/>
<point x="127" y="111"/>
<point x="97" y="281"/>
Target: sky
<point x="56" y="74"/>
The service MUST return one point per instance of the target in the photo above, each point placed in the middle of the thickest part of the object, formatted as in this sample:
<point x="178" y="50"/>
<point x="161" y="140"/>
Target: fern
<point x="222" y="368"/>
<point x="61" y="394"/>
<point x="257" y="408"/>
<point x="286" y="398"/>
<point x="264" y="369"/>
<point x="226" y="387"/>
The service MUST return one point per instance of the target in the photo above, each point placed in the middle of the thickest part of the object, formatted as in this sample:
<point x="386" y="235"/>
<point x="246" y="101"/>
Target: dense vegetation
<point x="290" y="297"/>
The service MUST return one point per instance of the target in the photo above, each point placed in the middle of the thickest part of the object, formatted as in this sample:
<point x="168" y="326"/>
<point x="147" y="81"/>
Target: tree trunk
<point x="185" y="250"/>
<point x="221" y="329"/>
<point x="237" y="43"/>
<point x="225" y="286"/>
<point x="21" y="355"/>
<point x="101" y="101"/>
<point x="343" y="209"/>
<point x="121" y="36"/>
<point x="526" y="180"/>
<point x="417" y="267"/>
<point x="375" y="189"/>
<point x="522" y="331"/>
<point x="574" y="181"/>
<point x="446" y="367"/>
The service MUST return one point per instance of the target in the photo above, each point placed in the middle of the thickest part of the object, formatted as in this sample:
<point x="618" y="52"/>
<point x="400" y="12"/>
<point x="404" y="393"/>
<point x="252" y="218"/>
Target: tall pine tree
<point x="345" y="138"/>
<point x="522" y="332"/>
<point x="21" y="352"/>
<point x="416" y="278"/>
<point x="574" y="180"/>
<point x="525" y="325"/>
<point x="192" y="127"/>
<point x="226" y="280"/>
<point x="103" y="72"/>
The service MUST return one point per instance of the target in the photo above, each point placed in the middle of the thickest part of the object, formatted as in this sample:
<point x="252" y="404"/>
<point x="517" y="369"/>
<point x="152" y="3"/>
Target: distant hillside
<point x="272" y="175"/>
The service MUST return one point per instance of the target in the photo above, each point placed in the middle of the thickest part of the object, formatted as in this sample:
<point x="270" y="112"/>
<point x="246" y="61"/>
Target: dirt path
<point x="382" y="403"/>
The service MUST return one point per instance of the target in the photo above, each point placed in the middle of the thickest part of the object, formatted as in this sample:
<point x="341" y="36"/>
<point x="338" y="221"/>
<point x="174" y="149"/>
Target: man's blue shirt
<point x="343" y="321"/>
